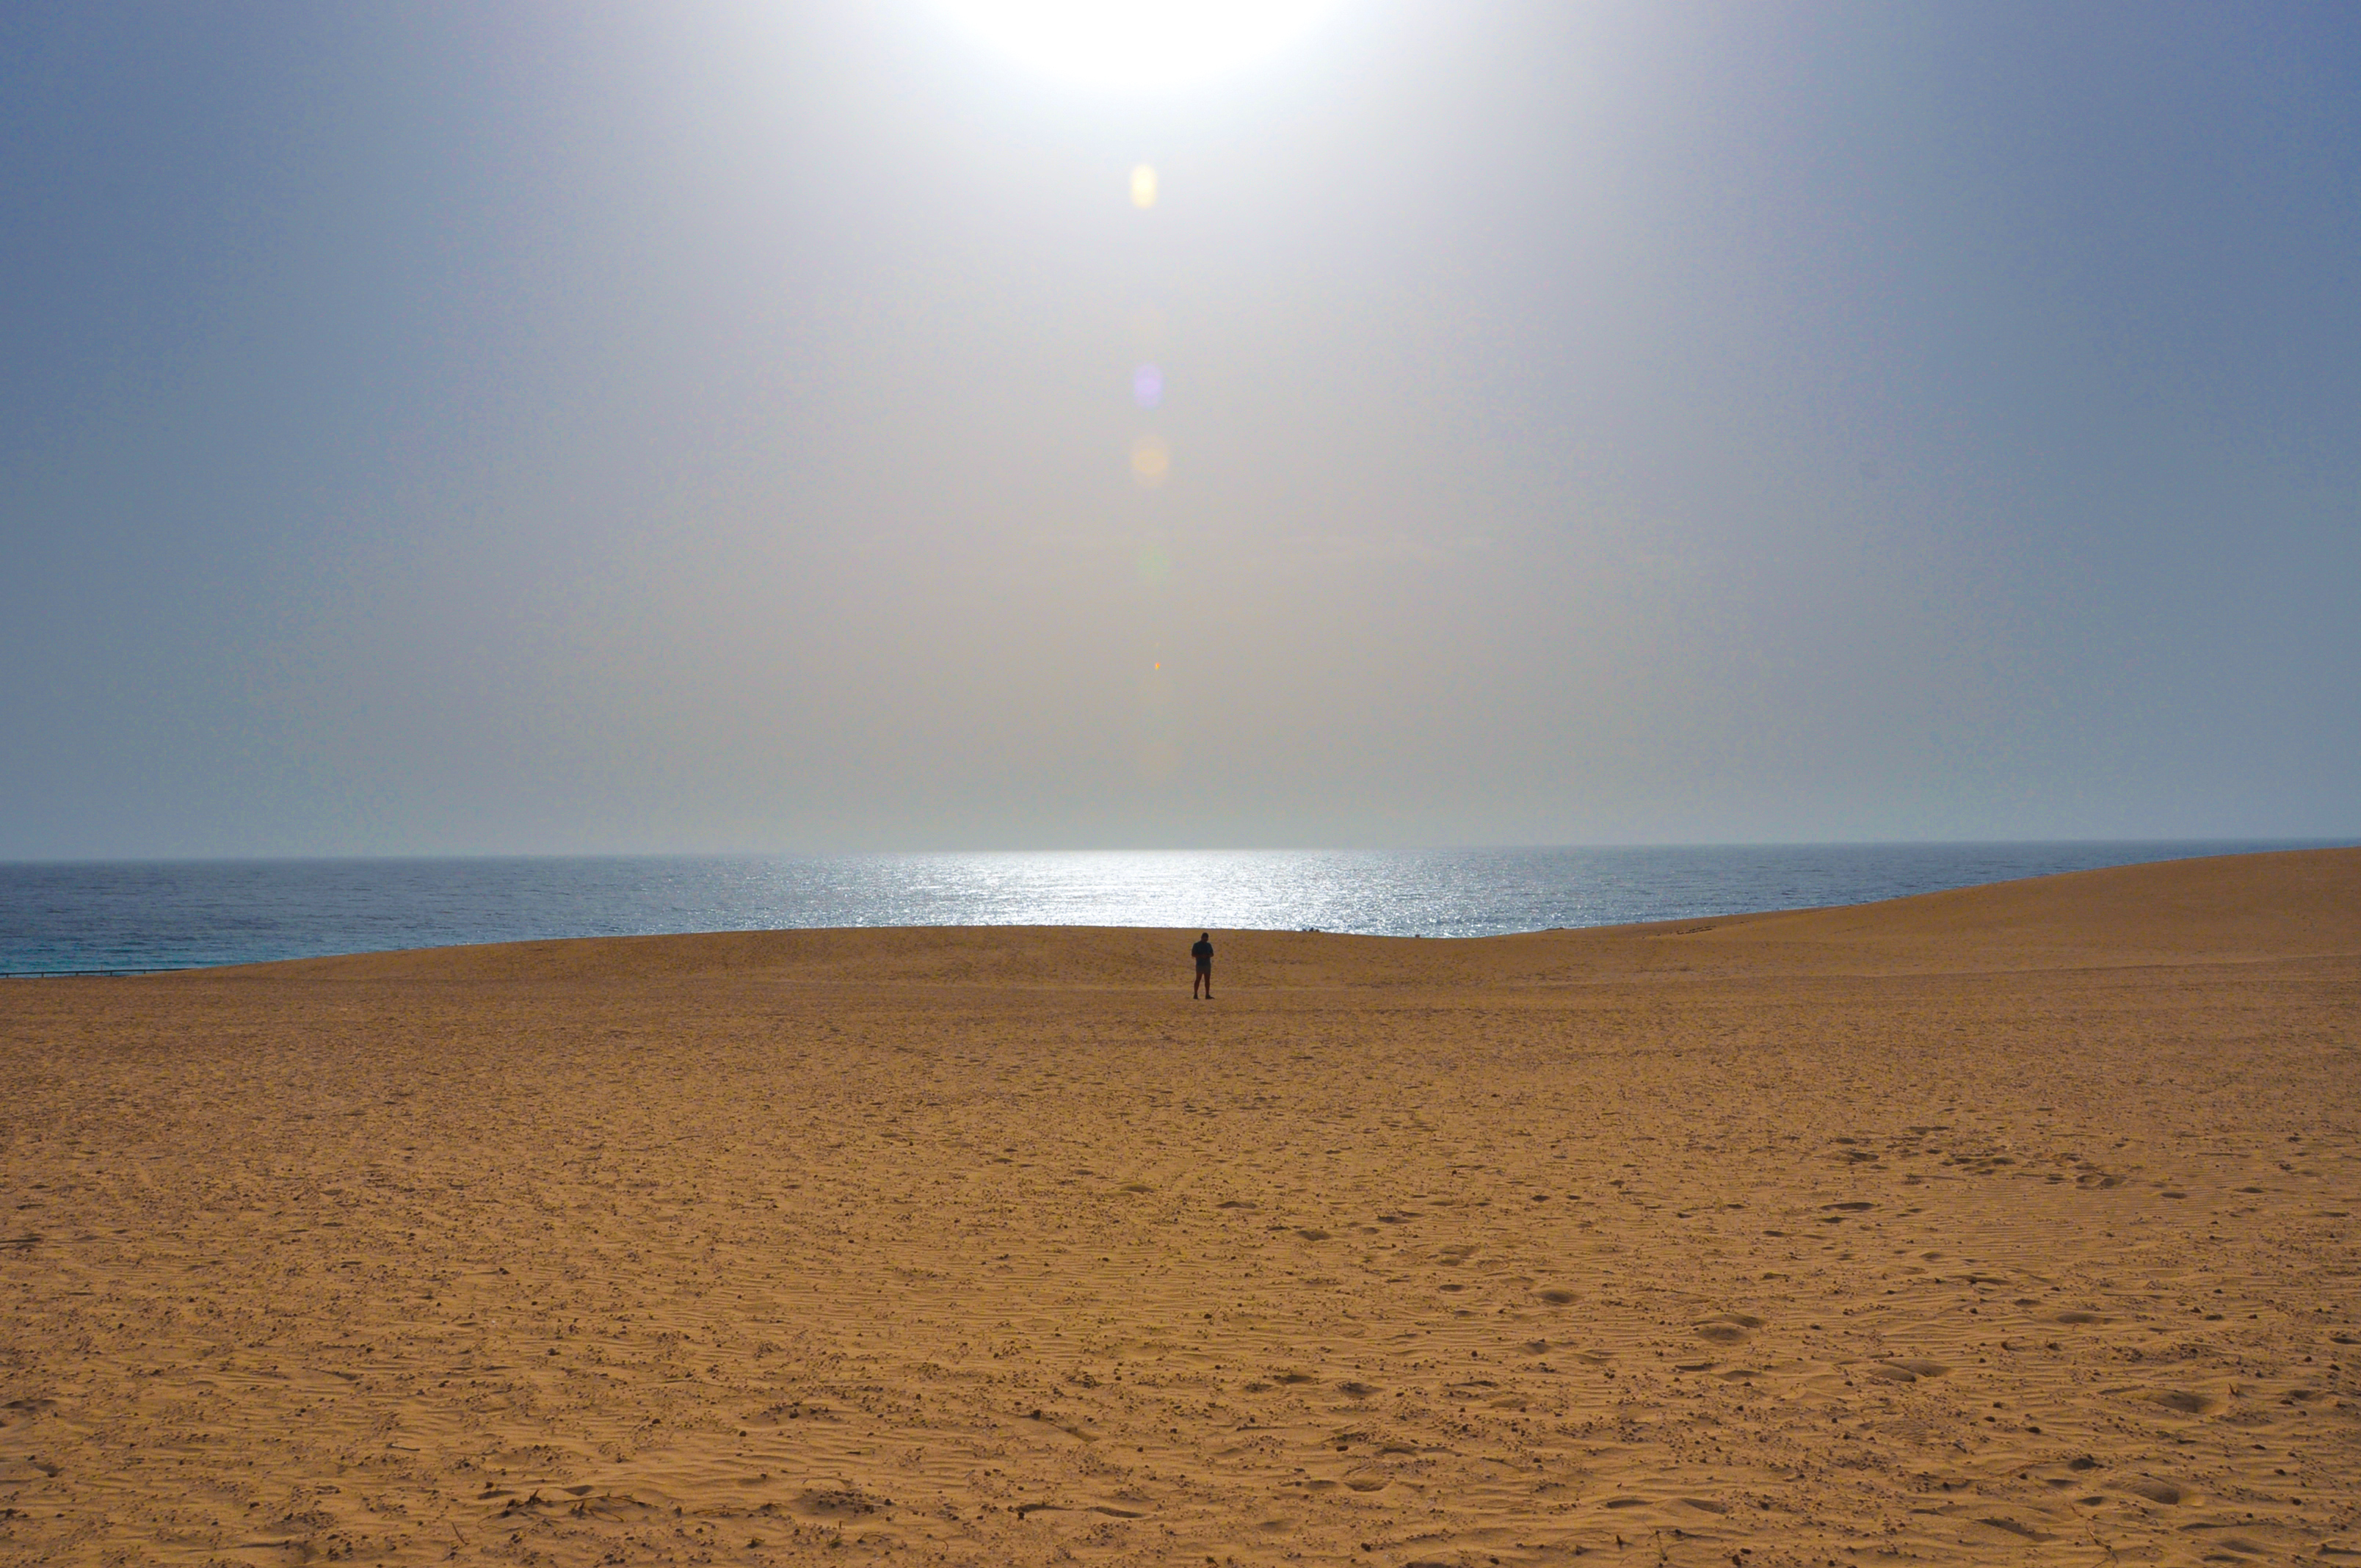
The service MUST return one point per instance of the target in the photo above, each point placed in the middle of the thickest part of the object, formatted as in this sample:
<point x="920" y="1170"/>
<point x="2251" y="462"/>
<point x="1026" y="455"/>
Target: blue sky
<point x="507" y="428"/>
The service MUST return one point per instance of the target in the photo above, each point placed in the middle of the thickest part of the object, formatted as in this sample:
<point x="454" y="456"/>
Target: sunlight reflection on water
<point x="125" y="915"/>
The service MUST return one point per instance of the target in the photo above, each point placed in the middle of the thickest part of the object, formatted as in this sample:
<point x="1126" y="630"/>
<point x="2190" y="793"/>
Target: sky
<point x="540" y="428"/>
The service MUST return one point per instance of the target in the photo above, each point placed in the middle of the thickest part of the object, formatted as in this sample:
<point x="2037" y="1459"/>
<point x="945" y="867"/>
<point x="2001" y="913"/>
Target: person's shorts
<point x="1204" y="966"/>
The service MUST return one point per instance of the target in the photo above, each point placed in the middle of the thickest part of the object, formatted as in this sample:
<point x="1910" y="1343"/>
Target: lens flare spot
<point x="1148" y="387"/>
<point x="1143" y="186"/>
<point x="1151" y="460"/>
<point x="1155" y="565"/>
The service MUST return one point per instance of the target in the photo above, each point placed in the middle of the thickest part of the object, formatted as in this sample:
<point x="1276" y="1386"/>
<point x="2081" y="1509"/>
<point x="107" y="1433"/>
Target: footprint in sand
<point x="2162" y="1492"/>
<point x="2182" y="1399"/>
<point x="1730" y="1327"/>
<point x="1908" y="1371"/>
<point x="1555" y="1298"/>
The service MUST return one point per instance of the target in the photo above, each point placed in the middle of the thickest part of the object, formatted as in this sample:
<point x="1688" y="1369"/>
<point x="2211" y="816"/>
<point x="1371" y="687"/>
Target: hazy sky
<point x="485" y="428"/>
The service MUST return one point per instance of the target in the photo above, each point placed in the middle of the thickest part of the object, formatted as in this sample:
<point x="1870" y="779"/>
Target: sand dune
<point x="2008" y="1224"/>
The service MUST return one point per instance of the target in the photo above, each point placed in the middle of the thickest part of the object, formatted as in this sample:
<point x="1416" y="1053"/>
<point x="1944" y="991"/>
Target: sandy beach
<point x="2009" y="1224"/>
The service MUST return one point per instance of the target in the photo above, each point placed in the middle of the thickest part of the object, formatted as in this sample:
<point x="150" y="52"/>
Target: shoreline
<point x="1027" y="926"/>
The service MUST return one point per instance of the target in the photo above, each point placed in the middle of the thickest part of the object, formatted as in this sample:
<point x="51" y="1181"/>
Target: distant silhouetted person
<point x="1203" y="953"/>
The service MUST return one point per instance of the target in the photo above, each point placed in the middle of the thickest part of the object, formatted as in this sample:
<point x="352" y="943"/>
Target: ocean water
<point x="124" y="916"/>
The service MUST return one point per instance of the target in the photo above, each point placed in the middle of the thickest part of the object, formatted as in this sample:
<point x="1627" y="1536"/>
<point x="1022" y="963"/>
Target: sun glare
<point x="1139" y="43"/>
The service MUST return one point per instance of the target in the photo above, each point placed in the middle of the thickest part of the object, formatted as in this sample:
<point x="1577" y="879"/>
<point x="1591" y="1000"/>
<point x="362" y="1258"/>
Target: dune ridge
<point x="2013" y="1223"/>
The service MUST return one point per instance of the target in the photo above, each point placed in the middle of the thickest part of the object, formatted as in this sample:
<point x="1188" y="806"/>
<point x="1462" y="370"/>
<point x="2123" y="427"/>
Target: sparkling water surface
<point x="125" y="915"/>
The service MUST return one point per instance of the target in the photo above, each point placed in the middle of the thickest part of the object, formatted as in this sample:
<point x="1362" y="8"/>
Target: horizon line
<point x="2286" y="841"/>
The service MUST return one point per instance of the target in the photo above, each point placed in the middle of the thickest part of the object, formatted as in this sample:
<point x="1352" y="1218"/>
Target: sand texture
<point x="2013" y="1224"/>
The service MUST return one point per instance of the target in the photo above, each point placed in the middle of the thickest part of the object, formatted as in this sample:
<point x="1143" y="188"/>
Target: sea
<point x="124" y="918"/>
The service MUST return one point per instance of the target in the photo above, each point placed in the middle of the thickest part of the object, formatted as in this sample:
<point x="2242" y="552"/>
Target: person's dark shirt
<point x="1203" y="952"/>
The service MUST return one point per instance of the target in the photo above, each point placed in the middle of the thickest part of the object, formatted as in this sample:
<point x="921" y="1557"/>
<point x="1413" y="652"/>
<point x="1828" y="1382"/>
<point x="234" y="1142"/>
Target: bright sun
<point x="1139" y="43"/>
